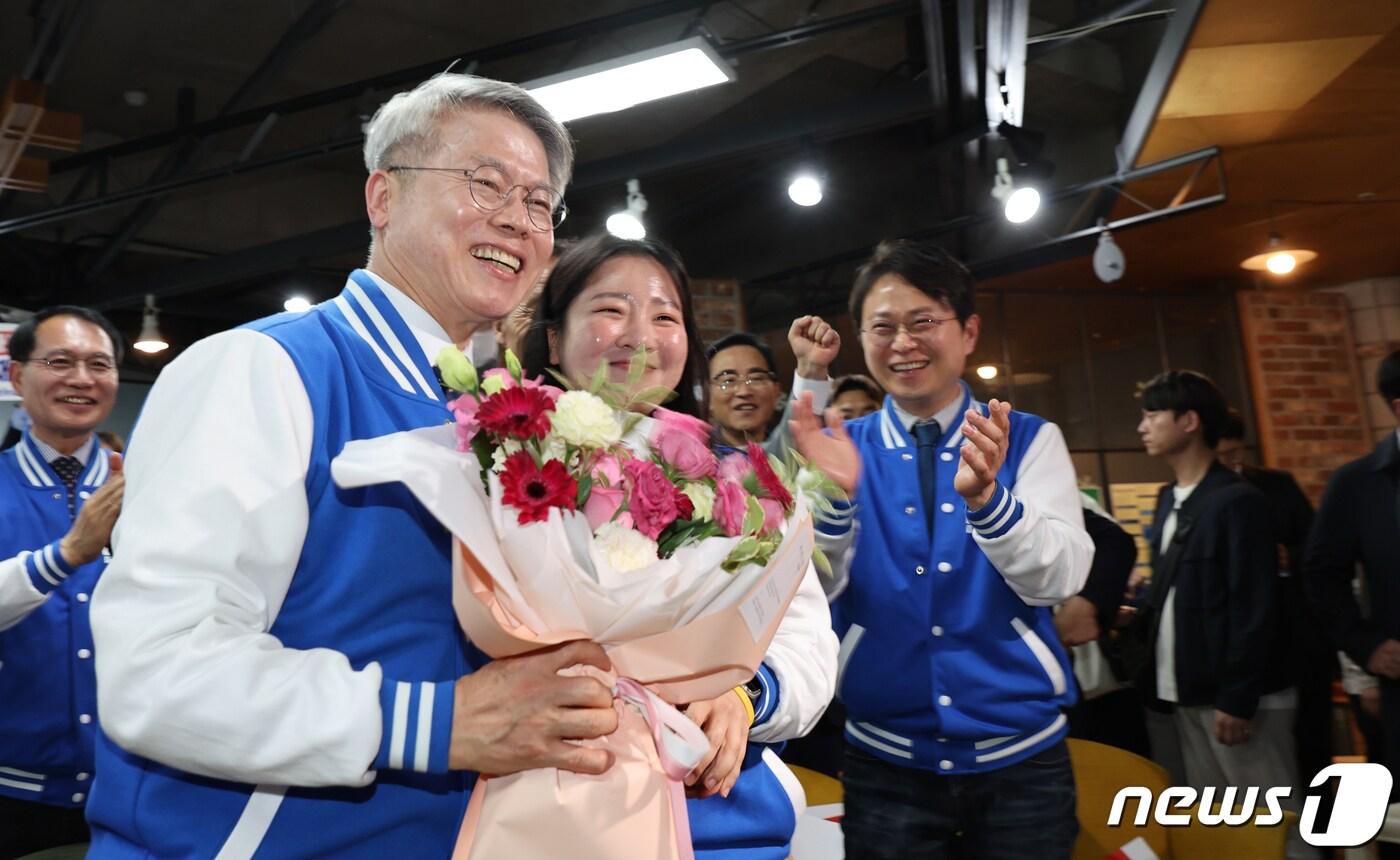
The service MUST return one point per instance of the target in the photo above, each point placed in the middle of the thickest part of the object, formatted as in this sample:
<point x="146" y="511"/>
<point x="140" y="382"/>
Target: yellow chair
<point x="820" y="788"/>
<point x="1101" y="771"/>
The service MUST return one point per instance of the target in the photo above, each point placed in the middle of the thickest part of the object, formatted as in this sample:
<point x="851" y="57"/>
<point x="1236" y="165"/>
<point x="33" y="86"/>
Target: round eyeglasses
<point x="883" y="333"/>
<point x="491" y="190"/>
<point x="63" y="365"/>
<point x="726" y="381"/>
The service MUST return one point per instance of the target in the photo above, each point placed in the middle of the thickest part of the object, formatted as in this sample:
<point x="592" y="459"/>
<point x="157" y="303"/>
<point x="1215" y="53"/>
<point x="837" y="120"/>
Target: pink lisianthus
<point x="684" y="443"/>
<point x="731" y="503"/>
<point x="607" y="469"/>
<point x="652" y="498"/>
<point x="505" y="377"/>
<point x="773" y="514"/>
<point x="734" y="467"/>
<point x="464" y="411"/>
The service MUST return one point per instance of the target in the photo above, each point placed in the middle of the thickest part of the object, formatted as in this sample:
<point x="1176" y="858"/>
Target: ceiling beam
<point x="1004" y="87"/>
<point x="398" y="78"/>
<point x="1159" y="78"/>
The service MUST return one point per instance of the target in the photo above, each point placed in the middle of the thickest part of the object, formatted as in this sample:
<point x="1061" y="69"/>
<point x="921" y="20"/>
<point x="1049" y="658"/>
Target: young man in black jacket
<point x="1358" y="522"/>
<point x="1218" y="666"/>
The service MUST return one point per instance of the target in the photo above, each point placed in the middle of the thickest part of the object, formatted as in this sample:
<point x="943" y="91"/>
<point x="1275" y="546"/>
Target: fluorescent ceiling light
<point x="620" y="83"/>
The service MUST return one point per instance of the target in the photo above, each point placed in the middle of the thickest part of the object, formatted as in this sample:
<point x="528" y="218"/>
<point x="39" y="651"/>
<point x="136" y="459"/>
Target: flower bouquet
<point x="577" y="518"/>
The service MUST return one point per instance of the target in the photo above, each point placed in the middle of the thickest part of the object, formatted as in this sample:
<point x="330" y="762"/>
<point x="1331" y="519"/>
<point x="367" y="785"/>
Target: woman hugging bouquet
<point x="593" y="513"/>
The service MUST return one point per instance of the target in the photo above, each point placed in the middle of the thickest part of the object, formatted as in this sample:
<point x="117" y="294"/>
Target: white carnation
<point x="625" y="549"/>
<point x="702" y="496"/>
<point x="584" y="420"/>
<point x="553" y="448"/>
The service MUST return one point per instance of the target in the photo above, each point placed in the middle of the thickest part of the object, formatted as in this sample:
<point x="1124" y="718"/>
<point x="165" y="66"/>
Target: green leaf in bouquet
<point x="753" y="517"/>
<point x="636" y="366"/>
<point x="513" y="366"/>
<point x="458" y="372"/>
<point x="821" y="561"/>
<point x="655" y="396"/>
<point x="564" y="381"/>
<point x="585" y="486"/>
<point x="600" y="378"/>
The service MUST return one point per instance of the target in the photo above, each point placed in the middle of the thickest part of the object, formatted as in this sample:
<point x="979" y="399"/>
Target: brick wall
<point x="719" y="307"/>
<point x="1375" y="321"/>
<point x="1303" y="369"/>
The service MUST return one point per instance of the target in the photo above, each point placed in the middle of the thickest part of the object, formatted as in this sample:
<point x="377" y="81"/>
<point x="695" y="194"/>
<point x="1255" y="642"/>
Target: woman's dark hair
<point x="572" y="272"/>
<point x="22" y="339"/>
<point x="926" y="266"/>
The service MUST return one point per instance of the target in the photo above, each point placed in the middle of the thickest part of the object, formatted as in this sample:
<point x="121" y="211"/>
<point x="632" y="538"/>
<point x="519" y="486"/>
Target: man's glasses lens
<point x="491" y="190"/>
<point x="62" y="365"/>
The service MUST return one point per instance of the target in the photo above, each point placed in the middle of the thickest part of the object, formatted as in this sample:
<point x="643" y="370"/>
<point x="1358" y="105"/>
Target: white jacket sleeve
<point x="1035" y="535"/>
<point x="802" y="661"/>
<point x="211" y="528"/>
<point x="18" y="596"/>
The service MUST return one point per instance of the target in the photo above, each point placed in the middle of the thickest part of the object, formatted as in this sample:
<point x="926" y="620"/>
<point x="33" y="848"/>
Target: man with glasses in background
<point x="279" y="667"/>
<point x="60" y="493"/>
<point x="744" y="388"/>
<point x="967" y="530"/>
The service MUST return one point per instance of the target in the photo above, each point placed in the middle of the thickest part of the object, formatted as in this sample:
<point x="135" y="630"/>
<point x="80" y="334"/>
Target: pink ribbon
<point x="670" y="728"/>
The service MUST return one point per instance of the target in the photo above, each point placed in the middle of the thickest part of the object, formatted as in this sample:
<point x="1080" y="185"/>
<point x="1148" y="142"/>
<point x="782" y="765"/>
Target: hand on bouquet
<point x="519" y="713"/>
<point x="832" y="452"/>
<point x="725" y="722"/>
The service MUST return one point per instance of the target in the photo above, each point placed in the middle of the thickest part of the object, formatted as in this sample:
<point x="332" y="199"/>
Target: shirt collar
<point x="946" y="417"/>
<point x="84" y="454"/>
<point x="431" y="336"/>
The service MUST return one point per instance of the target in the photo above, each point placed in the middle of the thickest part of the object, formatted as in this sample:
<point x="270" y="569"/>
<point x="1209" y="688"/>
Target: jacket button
<point x="937" y="631"/>
<point x="84" y="718"/>
<point x="82" y="597"/>
<point x="946" y="507"/>
<point x="84" y="777"/>
<point x="919" y="570"/>
<point x="946" y="456"/>
<point x="84" y="494"/>
<point x="84" y="653"/>
<point x="945" y="764"/>
<point x="945" y="701"/>
<point x="944" y="567"/>
<point x="909" y="509"/>
<point x="79" y="797"/>
<point x="58" y="495"/>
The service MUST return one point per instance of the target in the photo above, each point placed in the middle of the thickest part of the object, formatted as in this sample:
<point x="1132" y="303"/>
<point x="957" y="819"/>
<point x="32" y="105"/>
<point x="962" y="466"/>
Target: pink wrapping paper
<point x="628" y="811"/>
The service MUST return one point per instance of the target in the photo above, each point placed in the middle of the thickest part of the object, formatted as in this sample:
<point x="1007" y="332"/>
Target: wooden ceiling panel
<point x="1233" y="22"/>
<point x="1273" y="76"/>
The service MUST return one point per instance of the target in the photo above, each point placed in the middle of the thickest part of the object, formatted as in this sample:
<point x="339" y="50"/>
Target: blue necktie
<point x="928" y="433"/>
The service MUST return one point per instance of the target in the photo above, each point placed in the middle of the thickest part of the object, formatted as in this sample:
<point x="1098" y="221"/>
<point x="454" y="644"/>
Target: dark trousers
<point x="26" y="827"/>
<point x="1025" y="810"/>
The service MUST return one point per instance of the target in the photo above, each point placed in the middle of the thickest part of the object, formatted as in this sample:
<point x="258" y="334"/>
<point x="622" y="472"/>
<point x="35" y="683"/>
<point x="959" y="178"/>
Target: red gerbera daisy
<point x="533" y="490"/>
<point x="516" y="412"/>
<point x="768" y="480"/>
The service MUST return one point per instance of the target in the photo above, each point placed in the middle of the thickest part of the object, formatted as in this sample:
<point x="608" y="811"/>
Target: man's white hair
<point x="404" y="129"/>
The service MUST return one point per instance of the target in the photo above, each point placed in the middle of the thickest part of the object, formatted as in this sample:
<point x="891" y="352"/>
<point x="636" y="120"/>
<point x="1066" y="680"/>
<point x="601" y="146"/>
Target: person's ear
<point x="380" y="191"/>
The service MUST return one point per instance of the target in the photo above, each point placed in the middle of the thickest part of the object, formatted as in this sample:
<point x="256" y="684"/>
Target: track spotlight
<point x="1019" y="203"/>
<point x="805" y="190"/>
<point x="627" y="223"/>
<point x="150" y="339"/>
<point x="1278" y="259"/>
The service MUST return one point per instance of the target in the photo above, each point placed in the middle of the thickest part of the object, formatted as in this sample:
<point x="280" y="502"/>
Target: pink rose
<point x="653" y="498"/>
<point x="602" y="504"/>
<point x="773" y="514"/>
<point x="607" y="469"/>
<point x="680" y="422"/>
<point x="734" y="467"/>
<point x="731" y="503"/>
<point x="680" y="448"/>
<point x="464" y="410"/>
